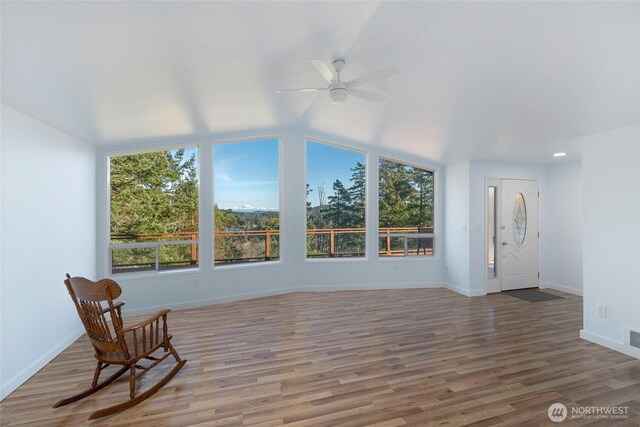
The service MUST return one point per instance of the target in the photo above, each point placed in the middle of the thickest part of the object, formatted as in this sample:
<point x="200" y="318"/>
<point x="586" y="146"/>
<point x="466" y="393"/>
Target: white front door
<point x="519" y="234"/>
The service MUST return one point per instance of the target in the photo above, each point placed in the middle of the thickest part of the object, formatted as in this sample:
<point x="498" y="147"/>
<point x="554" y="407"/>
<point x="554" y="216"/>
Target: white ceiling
<point x="497" y="80"/>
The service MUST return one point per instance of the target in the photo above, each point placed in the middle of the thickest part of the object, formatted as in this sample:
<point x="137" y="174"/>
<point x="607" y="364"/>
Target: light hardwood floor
<point x="386" y="358"/>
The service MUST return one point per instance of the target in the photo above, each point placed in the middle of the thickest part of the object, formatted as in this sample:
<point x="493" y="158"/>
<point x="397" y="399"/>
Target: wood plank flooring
<point x="385" y="358"/>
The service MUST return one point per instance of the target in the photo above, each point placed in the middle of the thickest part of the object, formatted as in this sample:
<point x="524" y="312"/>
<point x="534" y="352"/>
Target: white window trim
<point x="253" y="264"/>
<point x="435" y="254"/>
<point x="367" y="238"/>
<point x="205" y="147"/>
<point x="108" y="247"/>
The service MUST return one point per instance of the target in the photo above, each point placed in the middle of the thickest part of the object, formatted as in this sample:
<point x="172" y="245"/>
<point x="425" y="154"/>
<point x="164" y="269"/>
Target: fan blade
<point x="322" y="69"/>
<point x="370" y="96"/>
<point x="372" y="77"/>
<point x="318" y="102"/>
<point x="305" y="89"/>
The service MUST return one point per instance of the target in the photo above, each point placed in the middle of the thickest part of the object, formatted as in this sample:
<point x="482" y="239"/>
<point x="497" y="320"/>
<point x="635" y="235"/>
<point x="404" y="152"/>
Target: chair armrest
<point x="117" y="306"/>
<point x="148" y="321"/>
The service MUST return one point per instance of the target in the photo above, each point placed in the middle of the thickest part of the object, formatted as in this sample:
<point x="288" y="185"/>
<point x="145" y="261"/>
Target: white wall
<point x="611" y="235"/>
<point x="293" y="272"/>
<point x="465" y="204"/>
<point x="479" y="171"/>
<point x="457" y="227"/>
<point x="48" y="229"/>
<point x="562" y="252"/>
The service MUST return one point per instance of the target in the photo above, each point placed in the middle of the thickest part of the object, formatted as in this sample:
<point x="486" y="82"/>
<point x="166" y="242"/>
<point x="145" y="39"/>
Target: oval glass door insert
<point x="519" y="219"/>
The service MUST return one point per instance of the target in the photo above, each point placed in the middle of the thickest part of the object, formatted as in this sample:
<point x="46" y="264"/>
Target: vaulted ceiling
<point x="497" y="80"/>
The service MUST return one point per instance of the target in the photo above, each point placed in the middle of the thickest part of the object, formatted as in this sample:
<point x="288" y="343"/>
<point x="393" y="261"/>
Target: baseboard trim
<point x="561" y="288"/>
<point x="209" y="301"/>
<point x="466" y="292"/>
<point x="609" y="343"/>
<point x="369" y="287"/>
<point x="10" y="386"/>
<point x="273" y="292"/>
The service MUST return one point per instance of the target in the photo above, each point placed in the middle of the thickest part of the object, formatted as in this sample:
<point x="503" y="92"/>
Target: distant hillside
<point x="252" y="209"/>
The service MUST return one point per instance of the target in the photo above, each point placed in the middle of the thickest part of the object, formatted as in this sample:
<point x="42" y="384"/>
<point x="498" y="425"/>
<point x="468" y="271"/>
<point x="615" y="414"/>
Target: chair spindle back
<point x="105" y="334"/>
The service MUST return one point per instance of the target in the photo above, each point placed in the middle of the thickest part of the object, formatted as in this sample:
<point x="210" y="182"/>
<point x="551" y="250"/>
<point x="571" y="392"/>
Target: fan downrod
<point x="338" y="65"/>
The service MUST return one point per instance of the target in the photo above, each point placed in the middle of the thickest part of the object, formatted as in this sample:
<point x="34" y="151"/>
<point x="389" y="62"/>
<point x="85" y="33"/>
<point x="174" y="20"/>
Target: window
<point x="336" y="194"/>
<point x="491" y="231"/>
<point x="405" y="202"/>
<point x="154" y="211"/>
<point x="246" y="201"/>
<point x="519" y="219"/>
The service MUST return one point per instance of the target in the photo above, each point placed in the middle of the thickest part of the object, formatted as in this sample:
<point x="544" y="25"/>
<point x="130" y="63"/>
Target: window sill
<point x="241" y="266"/>
<point x="335" y="260"/>
<point x="412" y="258"/>
<point x="147" y="274"/>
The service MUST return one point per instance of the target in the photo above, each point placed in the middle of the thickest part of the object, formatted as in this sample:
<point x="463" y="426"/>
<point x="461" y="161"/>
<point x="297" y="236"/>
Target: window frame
<point x="248" y="138"/>
<point x="292" y="204"/>
<point x="108" y="247"/>
<point x="433" y="235"/>
<point x="367" y="176"/>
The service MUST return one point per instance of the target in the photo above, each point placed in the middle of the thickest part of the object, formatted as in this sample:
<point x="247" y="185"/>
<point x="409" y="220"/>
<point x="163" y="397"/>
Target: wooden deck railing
<point x="155" y="240"/>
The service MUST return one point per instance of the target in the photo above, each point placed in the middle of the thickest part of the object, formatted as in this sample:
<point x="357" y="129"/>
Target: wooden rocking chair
<point x="116" y="345"/>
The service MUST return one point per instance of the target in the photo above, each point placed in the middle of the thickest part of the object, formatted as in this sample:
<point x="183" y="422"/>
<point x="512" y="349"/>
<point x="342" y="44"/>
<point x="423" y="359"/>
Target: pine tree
<point x="395" y="190"/>
<point x="421" y="204"/>
<point x="154" y="193"/>
<point x="357" y="192"/>
<point x="339" y="210"/>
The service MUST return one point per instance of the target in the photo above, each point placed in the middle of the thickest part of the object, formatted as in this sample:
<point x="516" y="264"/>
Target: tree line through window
<point x="154" y="210"/>
<point x="154" y="206"/>
<point x="336" y="194"/>
<point x="405" y="206"/>
<point x="247" y="200"/>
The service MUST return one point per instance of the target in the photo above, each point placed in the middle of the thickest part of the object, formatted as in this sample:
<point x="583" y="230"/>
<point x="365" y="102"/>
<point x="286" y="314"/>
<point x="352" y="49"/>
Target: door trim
<point x="495" y="285"/>
<point x="492" y="285"/>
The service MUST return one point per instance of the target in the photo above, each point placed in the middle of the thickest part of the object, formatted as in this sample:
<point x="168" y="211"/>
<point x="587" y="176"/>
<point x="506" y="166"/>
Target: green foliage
<point x="224" y="247"/>
<point x="405" y="200"/>
<point x="153" y="193"/>
<point x="238" y="248"/>
<point x="158" y="193"/>
<point x="405" y="196"/>
<point x="357" y="192"/>
<point x="344" y="209"/>
<point x="339" y="211"/>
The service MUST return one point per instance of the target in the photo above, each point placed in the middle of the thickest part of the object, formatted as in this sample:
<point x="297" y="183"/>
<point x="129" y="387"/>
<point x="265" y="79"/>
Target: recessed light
<point x="559" y="154"/>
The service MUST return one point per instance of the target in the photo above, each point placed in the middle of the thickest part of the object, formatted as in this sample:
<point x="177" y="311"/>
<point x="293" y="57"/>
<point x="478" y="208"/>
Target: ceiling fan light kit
<point x="338" y="95"/>
<point x="340" y="91"/>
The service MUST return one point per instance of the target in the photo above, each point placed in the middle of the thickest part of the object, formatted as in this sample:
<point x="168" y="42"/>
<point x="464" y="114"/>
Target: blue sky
<point x="188" y="152"/>
<point x="246" y="173"/>
<point x="325" y="164"/>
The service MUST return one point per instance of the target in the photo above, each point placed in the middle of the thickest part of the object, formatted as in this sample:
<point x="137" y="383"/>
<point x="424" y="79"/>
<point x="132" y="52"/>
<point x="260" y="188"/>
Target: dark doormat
<point x="532" y="295"/>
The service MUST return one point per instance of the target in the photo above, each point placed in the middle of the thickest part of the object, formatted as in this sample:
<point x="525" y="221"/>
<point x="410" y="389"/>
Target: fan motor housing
<point x="338" y="95"/>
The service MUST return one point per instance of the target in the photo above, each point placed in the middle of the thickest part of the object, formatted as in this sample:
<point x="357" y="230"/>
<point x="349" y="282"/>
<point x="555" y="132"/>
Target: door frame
<point x="494" y="285"/>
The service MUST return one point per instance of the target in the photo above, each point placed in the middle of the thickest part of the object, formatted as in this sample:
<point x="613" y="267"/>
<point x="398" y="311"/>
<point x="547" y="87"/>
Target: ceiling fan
<point x="339" y="91"/>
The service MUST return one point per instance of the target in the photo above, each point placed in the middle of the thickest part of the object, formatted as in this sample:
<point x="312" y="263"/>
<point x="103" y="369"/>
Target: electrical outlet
<point x="601" y="310"/>
<point x="196" y="283"/>
<point x="397" y="268"/>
